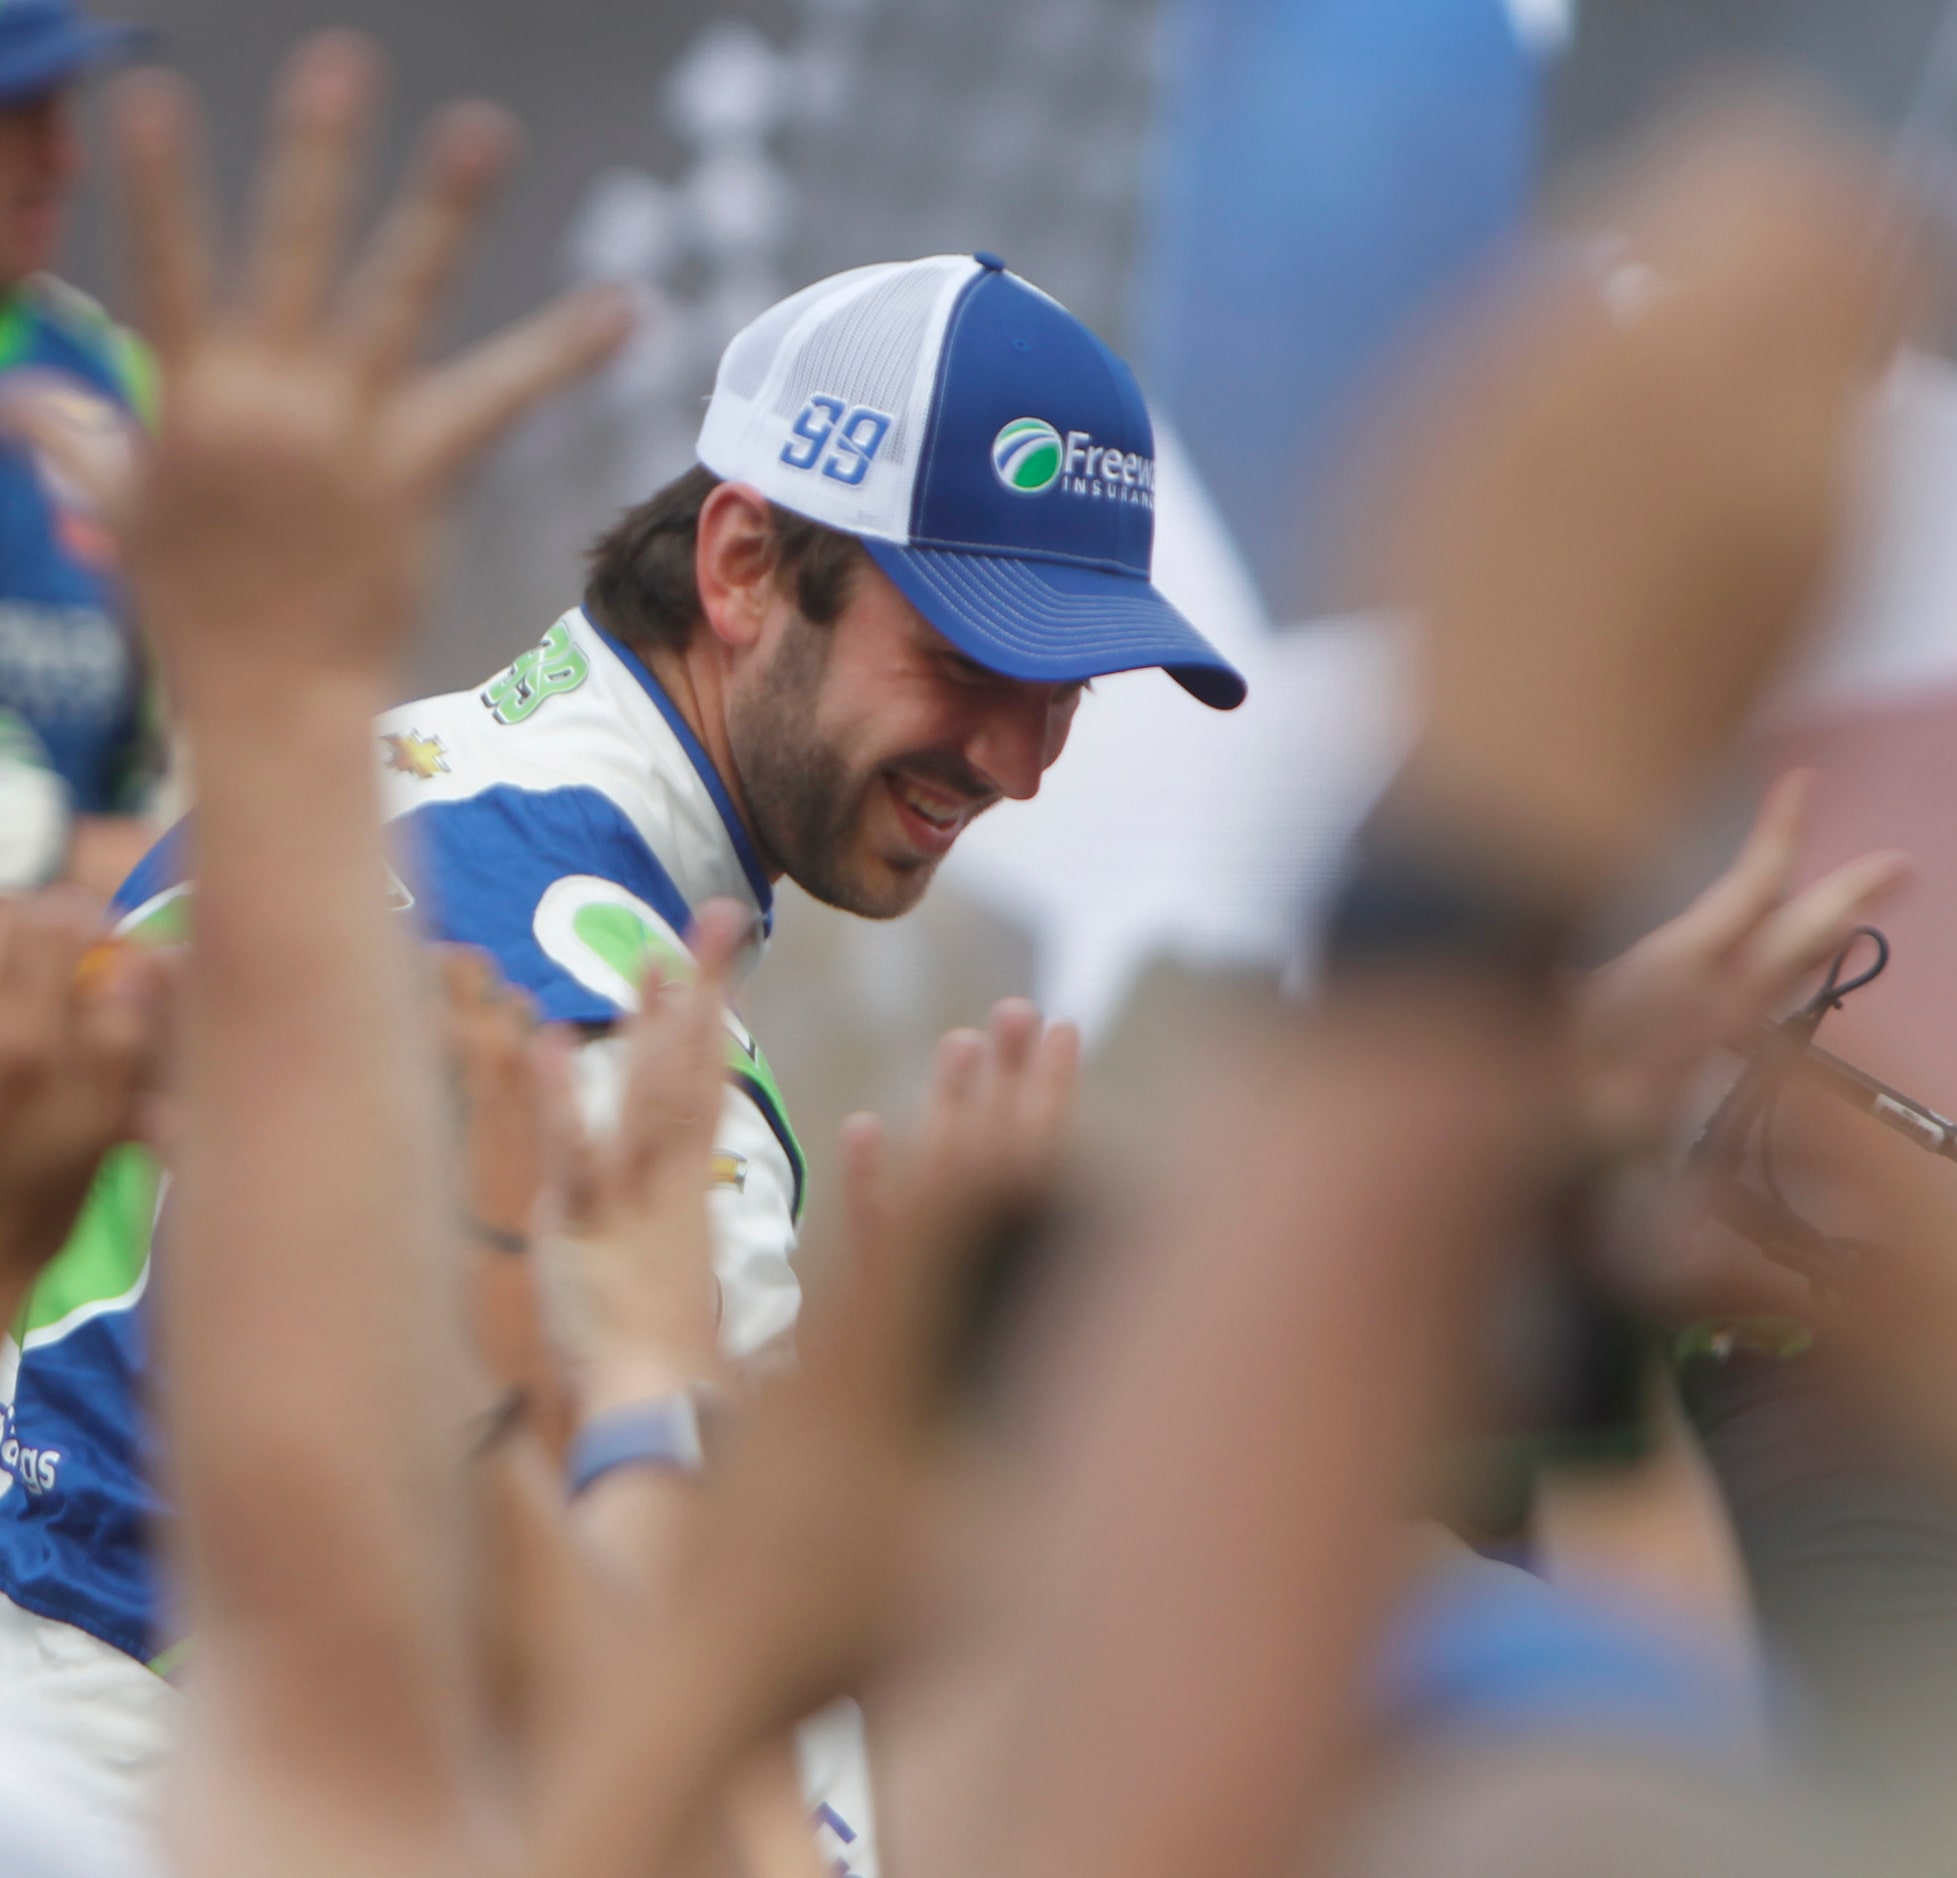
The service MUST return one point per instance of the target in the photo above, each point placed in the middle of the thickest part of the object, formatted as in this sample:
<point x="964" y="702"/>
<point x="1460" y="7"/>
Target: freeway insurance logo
<point x="1030" y="457"/>
<point x="1027" y="455"/>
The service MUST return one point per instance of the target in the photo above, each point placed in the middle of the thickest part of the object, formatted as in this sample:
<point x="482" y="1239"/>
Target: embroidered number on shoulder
<point x="843" y="439"/>
<point x="555" y="666"/>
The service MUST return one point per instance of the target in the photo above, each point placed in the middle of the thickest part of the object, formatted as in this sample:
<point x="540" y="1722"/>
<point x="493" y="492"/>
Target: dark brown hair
<point x="640" y="581"/>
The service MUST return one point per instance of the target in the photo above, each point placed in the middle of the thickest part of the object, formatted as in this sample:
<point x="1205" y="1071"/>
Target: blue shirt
<point x="70" y="665"/>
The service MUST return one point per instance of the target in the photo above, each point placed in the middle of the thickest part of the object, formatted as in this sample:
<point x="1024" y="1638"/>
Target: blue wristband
<point x="665" y="1433"/>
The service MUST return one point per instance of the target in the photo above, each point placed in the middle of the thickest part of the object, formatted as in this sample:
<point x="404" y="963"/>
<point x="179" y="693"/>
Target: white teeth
<point x="924" y="809"/>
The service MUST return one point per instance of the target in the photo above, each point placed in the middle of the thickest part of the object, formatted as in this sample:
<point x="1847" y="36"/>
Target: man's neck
<point x="692" y="683"/>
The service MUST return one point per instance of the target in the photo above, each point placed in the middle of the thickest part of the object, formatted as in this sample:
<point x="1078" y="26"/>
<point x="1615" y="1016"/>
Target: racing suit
<point x="565" y="819"/>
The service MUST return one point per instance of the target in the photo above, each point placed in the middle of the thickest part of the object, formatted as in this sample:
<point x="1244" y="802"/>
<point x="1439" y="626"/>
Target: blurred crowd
<point x="1362" y="1438"/>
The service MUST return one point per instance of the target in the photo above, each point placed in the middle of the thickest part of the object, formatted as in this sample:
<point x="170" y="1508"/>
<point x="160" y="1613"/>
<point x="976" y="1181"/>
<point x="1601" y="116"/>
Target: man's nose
<point x="1015" y="742"/>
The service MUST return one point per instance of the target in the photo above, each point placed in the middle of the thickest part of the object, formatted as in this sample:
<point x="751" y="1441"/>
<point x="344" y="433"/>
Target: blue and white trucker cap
<point x="994" y="457"/>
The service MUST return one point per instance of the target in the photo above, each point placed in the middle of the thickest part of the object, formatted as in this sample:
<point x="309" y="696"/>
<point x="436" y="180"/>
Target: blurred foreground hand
<point x="1735" y="958"/>
<point x="799" y="1573"/>
<point x="282" y="514"/>
<point x="1615" y="526"/>
<point x="1611" y="530"/>
<point x="81" y="1023"/>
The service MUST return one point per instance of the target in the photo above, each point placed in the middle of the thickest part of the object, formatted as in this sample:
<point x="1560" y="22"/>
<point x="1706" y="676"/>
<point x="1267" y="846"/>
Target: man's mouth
<point x="932" y="818"/>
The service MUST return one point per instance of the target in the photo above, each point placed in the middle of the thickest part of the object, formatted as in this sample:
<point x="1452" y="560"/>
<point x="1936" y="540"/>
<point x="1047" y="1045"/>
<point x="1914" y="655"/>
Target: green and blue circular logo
<point x="1026" y="455"/>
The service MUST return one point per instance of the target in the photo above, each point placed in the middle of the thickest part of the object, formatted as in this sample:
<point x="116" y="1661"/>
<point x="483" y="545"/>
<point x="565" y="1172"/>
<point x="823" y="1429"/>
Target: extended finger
<point x="995" y="1148"/>
<point x="1730" y="910"/>
<point x="674" y="1080"/>
<point x="957" y="1073"/>
<point x="1052" y="1090"/>
<point x="55" y="930"/>
<point x="570" y="1167"/>
<point x="400" y="286"/>
<point x="678" y="1048"/>
<point x="456" y="413"/>
<point x="515" y="1012"/>
<point x="166" y="207"/>
<point x="867" y="1201"/>
<point x="719" y="933"/>
<point x="1813" y="927"/>
<point x="467" y="973"/>
<point x="1014" y="1033"/>
<point x="305" y="196"/>
<point x="121" y="1021"/>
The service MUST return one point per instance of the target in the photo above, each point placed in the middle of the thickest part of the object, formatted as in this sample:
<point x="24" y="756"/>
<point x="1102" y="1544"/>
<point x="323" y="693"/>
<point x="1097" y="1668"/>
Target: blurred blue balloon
<point x="1324" y="169"/>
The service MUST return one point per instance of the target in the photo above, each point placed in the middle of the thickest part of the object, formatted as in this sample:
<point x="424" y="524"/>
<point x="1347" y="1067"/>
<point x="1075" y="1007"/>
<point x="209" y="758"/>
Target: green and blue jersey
<point x="564" y="819"/>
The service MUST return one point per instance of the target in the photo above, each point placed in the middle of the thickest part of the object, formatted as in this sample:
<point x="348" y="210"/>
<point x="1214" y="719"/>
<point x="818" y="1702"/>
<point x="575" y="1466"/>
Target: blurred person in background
<point x="79" y="735"/>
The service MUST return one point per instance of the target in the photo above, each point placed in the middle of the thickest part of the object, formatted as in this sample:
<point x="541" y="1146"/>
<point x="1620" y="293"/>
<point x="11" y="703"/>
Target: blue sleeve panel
<point x="479" y="867"/>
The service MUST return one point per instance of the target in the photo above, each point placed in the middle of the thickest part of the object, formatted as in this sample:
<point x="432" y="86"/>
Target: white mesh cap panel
<point x="744" y="366"/>
<point x="868" y="353"/>
<point x="866" y="342"/>
<point x="752" y="352"/>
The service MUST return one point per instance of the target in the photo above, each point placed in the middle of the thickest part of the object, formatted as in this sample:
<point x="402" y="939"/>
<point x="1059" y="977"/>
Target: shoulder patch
<point x="605" y="936"/>
<point x="409" y="753"/>
<point x="557" y="885"/>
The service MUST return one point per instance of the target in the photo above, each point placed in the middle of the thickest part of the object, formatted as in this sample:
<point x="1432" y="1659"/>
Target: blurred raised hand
<point x="1884" y="1333"/>
<point x="1647" y="1021"/>
<point x="489" y="1034"/>
<point x="275" y="538"/>
<point x="844" y="1452"/>
<point x="81" y="1027"/>
<point x="629" y="1240"/>
<point x="304" y="448"/>
<point x="1615" y="525"/>
<point x="799" y="1570"/>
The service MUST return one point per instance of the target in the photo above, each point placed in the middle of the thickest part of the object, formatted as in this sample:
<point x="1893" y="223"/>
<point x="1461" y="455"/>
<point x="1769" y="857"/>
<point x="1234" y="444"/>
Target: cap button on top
<point x="990" y="261"/>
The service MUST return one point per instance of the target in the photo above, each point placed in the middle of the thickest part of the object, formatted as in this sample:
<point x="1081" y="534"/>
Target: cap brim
<point x="1054" y="622"/>
<point x="72" y="48"/>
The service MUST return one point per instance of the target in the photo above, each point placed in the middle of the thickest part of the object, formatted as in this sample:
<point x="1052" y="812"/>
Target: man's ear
<point x="734" y="563"/>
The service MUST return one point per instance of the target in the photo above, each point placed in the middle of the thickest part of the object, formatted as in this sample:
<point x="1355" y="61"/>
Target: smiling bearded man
<point x="922" y="519"/>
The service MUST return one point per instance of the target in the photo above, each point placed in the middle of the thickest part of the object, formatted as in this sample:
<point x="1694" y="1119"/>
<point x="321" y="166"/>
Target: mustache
<point x="950" y="773"/>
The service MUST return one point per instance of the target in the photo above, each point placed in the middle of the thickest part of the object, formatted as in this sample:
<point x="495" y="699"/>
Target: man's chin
<point x="877" y="889"/>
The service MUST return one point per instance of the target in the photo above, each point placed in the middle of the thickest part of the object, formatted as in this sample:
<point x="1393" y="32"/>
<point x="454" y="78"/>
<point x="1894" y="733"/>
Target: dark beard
<point x="804" y="804"/>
